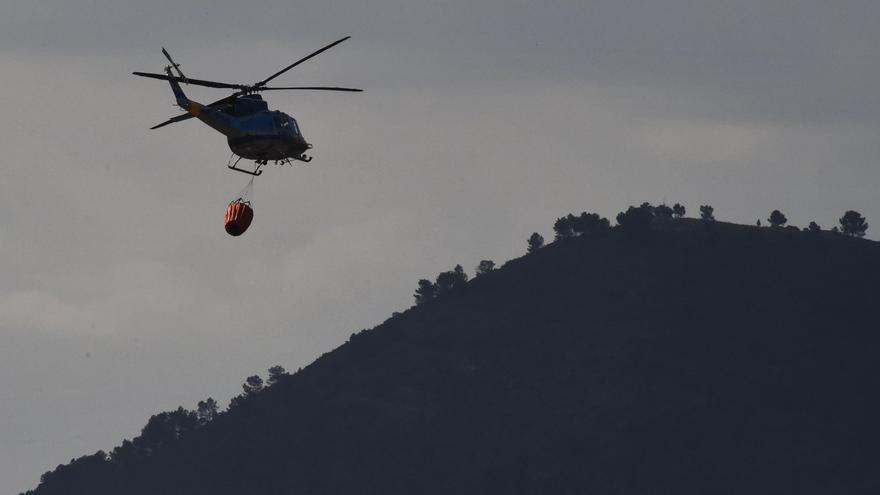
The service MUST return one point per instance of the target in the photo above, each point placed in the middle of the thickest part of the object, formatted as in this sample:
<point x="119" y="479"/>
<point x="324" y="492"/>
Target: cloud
<point x="42" y="310"/>
<point x="104" y="303"/>
<point x="707" y="142"/>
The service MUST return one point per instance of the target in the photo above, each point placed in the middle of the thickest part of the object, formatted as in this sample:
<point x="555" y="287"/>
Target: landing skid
<point x="256" y="171"/>
<point x="290" y="160"/>
<point x="259" y="164"/>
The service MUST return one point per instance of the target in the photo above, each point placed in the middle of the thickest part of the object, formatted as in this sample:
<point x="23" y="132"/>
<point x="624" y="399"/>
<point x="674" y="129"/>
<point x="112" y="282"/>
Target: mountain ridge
<point x="689" y="357"/>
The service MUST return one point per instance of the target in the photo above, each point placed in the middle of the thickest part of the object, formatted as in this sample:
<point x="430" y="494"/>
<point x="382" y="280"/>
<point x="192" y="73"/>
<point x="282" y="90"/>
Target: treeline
<point x="161" y="432"/>
<point x="635" y="219"/>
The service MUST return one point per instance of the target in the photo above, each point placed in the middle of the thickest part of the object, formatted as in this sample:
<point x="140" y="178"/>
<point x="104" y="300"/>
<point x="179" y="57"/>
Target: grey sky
<point x="482" y="122"/>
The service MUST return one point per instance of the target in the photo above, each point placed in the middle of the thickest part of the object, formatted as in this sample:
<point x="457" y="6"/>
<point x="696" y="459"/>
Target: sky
<point x="121" y="295"/>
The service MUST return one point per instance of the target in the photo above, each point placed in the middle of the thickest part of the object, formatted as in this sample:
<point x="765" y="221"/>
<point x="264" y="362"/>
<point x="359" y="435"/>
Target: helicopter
<point x="252" y="131"/>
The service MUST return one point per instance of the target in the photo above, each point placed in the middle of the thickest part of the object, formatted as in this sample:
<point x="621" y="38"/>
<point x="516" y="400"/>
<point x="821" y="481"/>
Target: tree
<point x="163" y="429"/>
<point x="814" y="227"/>
<point x="777" y="219"/>
<point x="236" y="401"/>
<point x="252" y="385"/>
<point x="588" y="223"/>
<point x="636" y="219"/>
<point x="206" y="412"/>
<point x="536" y="242"/>
<point x="425" y="292"/>
<point x="678" y="210"/>
<point x="852" y="223"/>
<point x="276" y="374"/>
<point x="451" y="281"/>
<point x="707" y="213"/>
<point x="663" y="211"/>
<point x="563" y="228"/>
<point x="570" y="226"/>
<point x="485" y="266"/>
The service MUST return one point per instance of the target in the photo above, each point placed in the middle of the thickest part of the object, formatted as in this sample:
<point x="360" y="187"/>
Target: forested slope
<point x="692" y="357"/>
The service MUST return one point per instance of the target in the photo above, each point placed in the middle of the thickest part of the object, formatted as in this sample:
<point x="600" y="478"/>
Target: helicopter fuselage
<point x="253" y="131"/>
<point x="267" y="135"/>
<point x="269" y="144"/>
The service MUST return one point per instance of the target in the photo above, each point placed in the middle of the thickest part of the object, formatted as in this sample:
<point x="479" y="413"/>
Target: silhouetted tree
<point x="814" y="227"/>
<point x="663" y="211"/>
<point x="678" y="210"/>
<point x="758" y="223"/>
<point x="425" y="291"/>
<point x="124" y="454"/>
<point x="777" y="219"/>
<point x="206" y="412"/>
<point x="252" y="385"/>
<point x="852" y="223"/>
<point x="451" y="281"/>
<point x="276" y="374"/>
<point x="236" y="401"/>
<point x="636" y="219"/>
<point x="536" y="242"/>
<point x="707" y="213"/>
<point x="570" y="226"/>
<point x="563" y="228"/>
<point x="163" y="429"/>
<point x="835" y="230"/>
<point x="485" y="266"/>
<point x="588" y="224"/>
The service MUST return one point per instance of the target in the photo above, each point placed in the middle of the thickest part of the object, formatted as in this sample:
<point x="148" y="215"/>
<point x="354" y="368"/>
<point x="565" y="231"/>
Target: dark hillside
<point x="695" y="359"/>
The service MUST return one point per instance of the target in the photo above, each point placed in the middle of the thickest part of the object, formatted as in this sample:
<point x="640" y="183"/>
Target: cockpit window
<point x="280" y="122"/>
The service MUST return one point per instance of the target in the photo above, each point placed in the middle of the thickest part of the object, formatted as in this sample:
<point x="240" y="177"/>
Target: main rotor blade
<point x="318" y="88"/>
<point x="172" y="120"/>
<point x="197" y="82"/>
<point x="282" y="71"/>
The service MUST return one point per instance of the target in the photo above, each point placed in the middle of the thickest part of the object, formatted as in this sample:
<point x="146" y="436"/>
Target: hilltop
<point x="693" y="357"/>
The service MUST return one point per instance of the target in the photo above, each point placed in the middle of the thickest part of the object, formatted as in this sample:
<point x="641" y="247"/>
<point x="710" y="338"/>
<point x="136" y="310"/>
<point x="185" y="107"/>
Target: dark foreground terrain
<point x="691" y="359"/>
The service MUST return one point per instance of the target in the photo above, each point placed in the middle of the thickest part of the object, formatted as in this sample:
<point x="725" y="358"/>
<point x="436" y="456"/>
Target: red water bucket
<point x="238" y="217"/>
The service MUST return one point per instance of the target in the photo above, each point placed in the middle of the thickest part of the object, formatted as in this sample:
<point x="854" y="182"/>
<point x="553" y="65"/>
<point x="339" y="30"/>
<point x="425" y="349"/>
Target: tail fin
<point x="192" y="107"/>
<point x="182" y="101"/>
